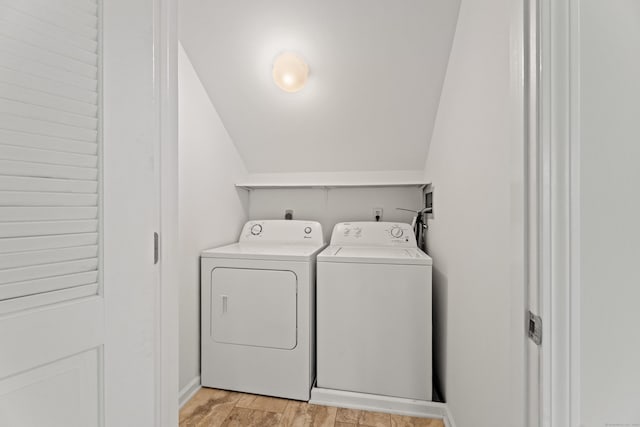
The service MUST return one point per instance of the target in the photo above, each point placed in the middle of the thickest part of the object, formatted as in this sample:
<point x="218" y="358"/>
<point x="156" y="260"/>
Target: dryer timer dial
<point x="396" y="232"/>
<point x="256" y="229"/>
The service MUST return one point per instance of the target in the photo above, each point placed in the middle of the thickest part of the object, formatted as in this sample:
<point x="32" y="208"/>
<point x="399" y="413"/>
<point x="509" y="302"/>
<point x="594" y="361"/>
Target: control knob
<point x="396" y="232"/>
<point x="256" y="229"/>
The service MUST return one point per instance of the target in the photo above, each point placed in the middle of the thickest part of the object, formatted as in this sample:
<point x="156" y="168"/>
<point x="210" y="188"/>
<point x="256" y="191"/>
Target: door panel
<point x="254" y="307"/>
<point x="79" y="184"/>
<point x="51" y="313"/>
<point x="49" y="160"/>
<point x="66" y="393"/>
<point x="35" y="337"/>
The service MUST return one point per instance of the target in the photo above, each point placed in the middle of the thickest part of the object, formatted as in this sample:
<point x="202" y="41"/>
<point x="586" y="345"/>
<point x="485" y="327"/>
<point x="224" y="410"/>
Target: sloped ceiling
<point x="376" y="72"/>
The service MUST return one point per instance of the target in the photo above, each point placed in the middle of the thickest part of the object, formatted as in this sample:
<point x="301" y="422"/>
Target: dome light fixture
<point x="290" y="72"/>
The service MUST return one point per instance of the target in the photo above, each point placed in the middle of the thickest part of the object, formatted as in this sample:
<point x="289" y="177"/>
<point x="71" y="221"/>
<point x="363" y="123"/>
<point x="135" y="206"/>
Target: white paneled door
<point x="79" y="205"/>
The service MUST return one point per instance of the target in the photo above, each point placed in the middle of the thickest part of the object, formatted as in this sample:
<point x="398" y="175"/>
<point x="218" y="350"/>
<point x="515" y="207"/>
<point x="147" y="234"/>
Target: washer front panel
<point x="374" y="329"/>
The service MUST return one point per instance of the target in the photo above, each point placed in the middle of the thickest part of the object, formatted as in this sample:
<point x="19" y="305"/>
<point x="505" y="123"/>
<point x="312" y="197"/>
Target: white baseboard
<point x="372" y="402"/>
<point x="348" y="399"/>
<point x="448" y="419"/>
<point x="188" y="391"/>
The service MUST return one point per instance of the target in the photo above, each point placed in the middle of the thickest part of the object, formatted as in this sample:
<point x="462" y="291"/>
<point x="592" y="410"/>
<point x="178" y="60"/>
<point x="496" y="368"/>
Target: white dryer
<point x="258" y="299"/>
<point x="374" y="312"/>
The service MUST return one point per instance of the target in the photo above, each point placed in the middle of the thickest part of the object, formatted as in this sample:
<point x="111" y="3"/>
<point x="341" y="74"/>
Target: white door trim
<point x="558" y="177"/>
<point x="574" y="214"/>
<point x="519" y="50"/>
<point x="533" y="204"/>
<point x="166" y="86"/>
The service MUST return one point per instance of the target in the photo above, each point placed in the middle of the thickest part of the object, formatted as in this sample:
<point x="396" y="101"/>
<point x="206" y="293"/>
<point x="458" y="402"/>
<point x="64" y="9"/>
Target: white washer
<point x="374" y="312"/>
<point x="258" y="308"/>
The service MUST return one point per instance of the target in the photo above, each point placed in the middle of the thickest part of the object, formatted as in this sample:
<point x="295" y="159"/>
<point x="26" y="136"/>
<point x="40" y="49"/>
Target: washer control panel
<point x="282" y="231"/>
<point x="373" y="234"/>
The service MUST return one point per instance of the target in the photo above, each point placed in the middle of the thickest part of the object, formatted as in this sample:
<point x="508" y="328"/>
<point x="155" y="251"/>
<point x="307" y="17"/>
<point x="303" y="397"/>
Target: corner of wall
<point x="426" y="171"/>
<point x="211" y="209"/>
<point x="188" y="391"/>
<point x="468" y="164"/>
<point x="185" y="61"/>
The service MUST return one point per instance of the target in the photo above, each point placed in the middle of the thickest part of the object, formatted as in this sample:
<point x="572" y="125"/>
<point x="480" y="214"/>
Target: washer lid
<point x="273" y="252"/>
<point x="374" y="255"/>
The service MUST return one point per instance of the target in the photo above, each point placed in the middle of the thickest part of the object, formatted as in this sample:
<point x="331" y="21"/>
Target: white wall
<point x="376" y="71"/>
<point x="335" y="205"/>
<point x="610" y="212"/>
<point x="469" y="237"/>
<point x="212" y="211"/>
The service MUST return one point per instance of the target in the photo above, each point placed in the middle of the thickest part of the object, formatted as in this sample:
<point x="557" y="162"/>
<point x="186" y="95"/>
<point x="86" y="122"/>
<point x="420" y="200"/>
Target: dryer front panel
<point x="254" y="307"/>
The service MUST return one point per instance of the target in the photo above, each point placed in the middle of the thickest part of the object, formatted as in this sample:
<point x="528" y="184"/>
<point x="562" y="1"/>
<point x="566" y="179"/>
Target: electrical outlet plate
<point x="377" y="212"/>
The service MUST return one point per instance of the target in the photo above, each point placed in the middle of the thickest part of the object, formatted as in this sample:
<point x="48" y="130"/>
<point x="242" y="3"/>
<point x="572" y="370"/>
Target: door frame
<point x="519" y="51"/>
<point x="165" y="33"/>
<point x="533" y="133"/>
<point x="558" y="228"/>
<point x="157" y="25"/>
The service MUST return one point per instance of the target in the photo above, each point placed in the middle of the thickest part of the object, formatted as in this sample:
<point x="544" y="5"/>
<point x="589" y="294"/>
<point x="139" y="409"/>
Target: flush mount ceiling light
<point x="290" y="72"/>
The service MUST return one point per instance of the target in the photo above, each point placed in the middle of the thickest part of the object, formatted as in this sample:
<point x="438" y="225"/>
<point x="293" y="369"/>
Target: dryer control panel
<point x="282" y="231"/>
<point x="373" y="234"/>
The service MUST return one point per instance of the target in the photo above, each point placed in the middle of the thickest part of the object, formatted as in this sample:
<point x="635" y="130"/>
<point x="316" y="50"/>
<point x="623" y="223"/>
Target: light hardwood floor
<point x="213" y="408"/>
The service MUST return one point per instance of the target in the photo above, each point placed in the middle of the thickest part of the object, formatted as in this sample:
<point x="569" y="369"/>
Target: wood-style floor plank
<point x="302" y="414"/>
<point x="404" y="421"/>
<point x="243" y="417"/>
<point x="221" y="408"/>
<point x="363" y="418"/>
<point x="262" y="403"/>
<point x="374" y="419"/>
<point x="209" y="407"/>
<point x="348" y="416"/>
